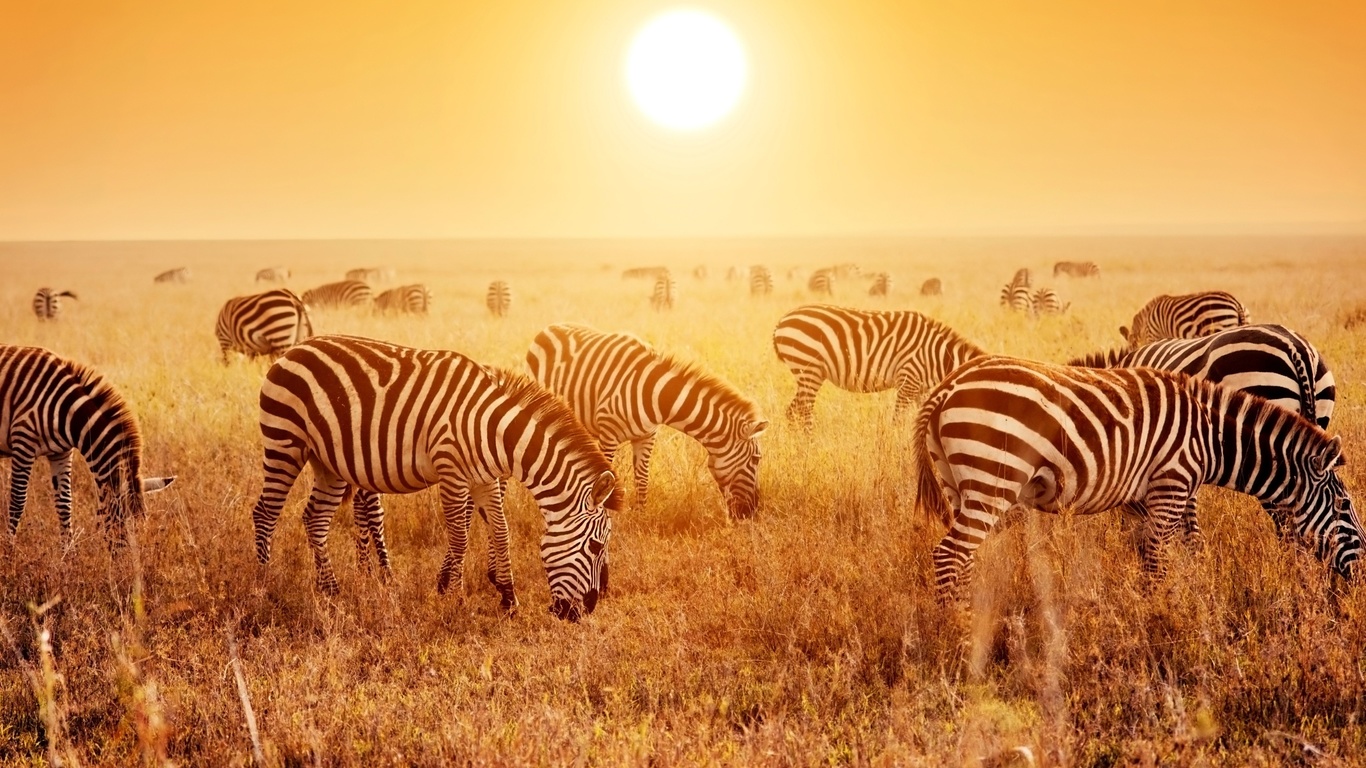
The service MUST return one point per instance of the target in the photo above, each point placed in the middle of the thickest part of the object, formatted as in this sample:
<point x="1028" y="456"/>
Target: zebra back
<point x="665" y="289"/>
<point x="346" y="293"/>
<point x="1187" y="316"/>
<point x="413" y="299"/>
<point x="760" y="281"/>
<point x="265" y="323"/>
<point x="499" y="298"/>
<point x="177" y="275"/>
<point x="932" y="287"/>
<point x="273" y="275"/>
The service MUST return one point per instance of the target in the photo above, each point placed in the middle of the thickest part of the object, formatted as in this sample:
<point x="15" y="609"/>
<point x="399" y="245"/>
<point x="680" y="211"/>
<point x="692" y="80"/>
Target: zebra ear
<point x="1331" y="458"/>
<point x="603" y="486"/>
<point x="1123" y="331"/>
<point x="154" y="484"/>
<point x="755" y="428"/>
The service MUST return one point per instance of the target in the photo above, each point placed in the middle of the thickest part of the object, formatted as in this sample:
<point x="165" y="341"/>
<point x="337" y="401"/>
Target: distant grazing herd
<point x="1198" y="396"/>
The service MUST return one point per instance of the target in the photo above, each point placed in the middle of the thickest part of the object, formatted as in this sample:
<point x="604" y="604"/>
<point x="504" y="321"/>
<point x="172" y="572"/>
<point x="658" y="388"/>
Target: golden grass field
<point x="808" y="635"/>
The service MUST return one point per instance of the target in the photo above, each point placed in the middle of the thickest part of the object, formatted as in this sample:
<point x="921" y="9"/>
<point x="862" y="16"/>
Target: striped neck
<point x="695" y="403"/>
<point x="1255" y="447"/>
<point x="103" y="429"/>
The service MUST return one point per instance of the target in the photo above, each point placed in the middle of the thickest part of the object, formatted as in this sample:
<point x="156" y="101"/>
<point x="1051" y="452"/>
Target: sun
<point x="686" y="69"/>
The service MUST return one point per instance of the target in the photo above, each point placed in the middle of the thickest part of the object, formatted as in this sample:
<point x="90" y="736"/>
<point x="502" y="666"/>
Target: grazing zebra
<point x="47" y="304"/>
<point x="665" y="290"/>
<point x="644" y="273"/>
<point x="932" y="287"/>
<point x="882" y="285"/>
<point x="624" y="391"/>
<point x="499" y="298"/>
<point x="1006" y="434"/>
<point x="1189" y="316"/>
<point x="177" y="275"/>
<point x="50" y="407"/>
<point x="388" y="419"/>
<point x="821" y="282"/>
<point x="865" y="351"/>
<point x="273" y="275"/>
<point x="1017" y="298"/>
<point x="760" y="281"/>
<point x="347" y="293"/>
<point x="413" y="299"/>
<point x="262" y="324"/>
<point x="371" y="274"/>
<point x="1046" y="301"/>
<point x="1076" y="269"/>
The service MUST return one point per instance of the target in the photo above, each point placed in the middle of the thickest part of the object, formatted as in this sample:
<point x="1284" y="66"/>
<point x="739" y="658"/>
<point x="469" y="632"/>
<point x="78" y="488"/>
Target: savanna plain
<point x="809" y="634"/>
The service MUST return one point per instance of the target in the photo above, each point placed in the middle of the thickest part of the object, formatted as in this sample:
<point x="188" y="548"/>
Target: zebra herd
<point x="821" y="282"/>
<point x="1198" y="397"/>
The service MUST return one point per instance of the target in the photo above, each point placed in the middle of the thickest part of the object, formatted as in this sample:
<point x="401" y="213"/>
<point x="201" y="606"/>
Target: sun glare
<point x="686" y="69"/>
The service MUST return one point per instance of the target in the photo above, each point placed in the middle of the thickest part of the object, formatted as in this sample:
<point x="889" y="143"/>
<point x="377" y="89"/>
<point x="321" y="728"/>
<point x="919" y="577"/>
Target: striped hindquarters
<point x="1188" y="316"/>
<point x="1076" y="269"/>
<point x="499" y="298"/>
<point x="1046" y="301"/>
<point x="346" y="293"/>
<point x="47" y="303"/>
<point x="760" y="281"/>
<point x="412" y="299"/>
<point x="262" y="324"/>
<point x="882" y="285"/>
<point x="664" y="292"/>
<point x="822" y="282"/>
<point x="273" y="275"/>
<point x="1017" y="298"/>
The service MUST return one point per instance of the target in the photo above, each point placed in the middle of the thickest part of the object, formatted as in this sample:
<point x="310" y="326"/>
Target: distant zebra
<point x="732" y="274"/>
<point x="177" y="275"/>
<point x="865" y="351"/>
<point x="1022" y="277"/>
<point x="1076" y="269"/>
<point x="1188" y="316"/>
<point x="47" y="304"/>
<point x="50" y="407"/>
<point x="1006" y="434"/>
<point x="624" y="391"/>
<point x="273" y="275"/>
<point x="932" y="287"/>
<point x="821" y="282"/>
<point x="644" y="273"/>
<point x="760" y="281"/>
<point x="380" y="418"/>
<point x="412" y="299"/>
<point x="1046" y="301"/>
<point x="347" y="293"/>
<point x="882" y="285"/>
<point x="1017" y="298"/>
<point x="366" y="274"/>
<point x="262" y="324"/>
<point x="499" y="298"/>
<point x="664" y="292"/>
<point x="846" y="271"/>
<point x="699" y="272"/>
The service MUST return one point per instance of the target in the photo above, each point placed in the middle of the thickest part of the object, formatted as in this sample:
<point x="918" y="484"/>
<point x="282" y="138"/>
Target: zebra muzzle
<point x="565" y="609"/>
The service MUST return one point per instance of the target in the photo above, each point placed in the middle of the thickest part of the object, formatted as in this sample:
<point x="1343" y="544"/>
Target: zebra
<point x="865" y="351"/>
<point x="624" y="391"/>
<point x="1017" y="298"/>
<point x="760" y="281"/>
<point x="273" y="275"/>
<point x="177" y="275"/>
<point x="1046" y="301"/>
<point x="846" y="270"/>
<point x="1188" y="316"/>
<point x="932" y="287"/>
<point x="263" y="323"/>
<point x="644" y="273"/>
<point x="413" y="299"/>
<point x="1022" y="277"/>
<point x="1076" y="269"/>
<point x="372" y="274"/>
<point x="499" y="298"/>
<point x="882" y="285"/>
<point x="347" y="293"/>
<point x="47" y="303"/>
<point x="1006" y="434"/>
<point x="51" y="407"/>
<point x="822" y="282"/>
<point x="374" y="417"/>
<point x="665" y="290"/>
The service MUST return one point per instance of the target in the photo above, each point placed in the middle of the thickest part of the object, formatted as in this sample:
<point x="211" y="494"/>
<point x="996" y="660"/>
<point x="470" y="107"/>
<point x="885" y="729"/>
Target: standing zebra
<point x="1046" y="301"/>
<point x="262" y="324"/>
<point x="1008" y="434"/>
<point x="882" y="285"/>
<point x="1015" y="295"/>
<point x="388" y="419"/>
<point x="347" y="293"/>
<point x="50" y="407"/>
<point x="760" y="281"/>
<point x="932" y="287"/>
<point x="273" y="275"/>
<point x="177" y="275"/>
<point x="624" y="391"/>
<point x="821" y="282"/>
<point x="865" y="351"/>
<point x="644" y="273"/>
<point x="499" y="298"/>
<point x="365" y="274"/>
<point x="1076" y="269"/>
<point x="413" y="299"/>
<point x="47" y="304"/>
<point x="665" y="290"/>
<point x="1189" y="316"/>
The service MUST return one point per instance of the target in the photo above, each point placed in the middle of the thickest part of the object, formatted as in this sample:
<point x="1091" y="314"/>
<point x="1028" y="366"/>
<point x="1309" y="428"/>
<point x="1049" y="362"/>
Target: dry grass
<point x="809" y="635"/>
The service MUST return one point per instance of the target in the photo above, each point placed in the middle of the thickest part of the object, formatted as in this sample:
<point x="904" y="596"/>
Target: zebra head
<point x="1323" y="513"/>
<point x="120" y="500"/>
<point x="574" y="549"/>
<point x="735" y="467"/>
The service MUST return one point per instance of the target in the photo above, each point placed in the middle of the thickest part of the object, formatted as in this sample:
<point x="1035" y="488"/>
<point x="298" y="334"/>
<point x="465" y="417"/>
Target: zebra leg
<point x="20" y="467"/>
<point x="908" y="392"/>
<point x="1165" y="513"/>
<point x="329" y="491"/>
<point x="60" y="466"/>
<point x="1191" y="524"/>
<point x="802" y="408"/>
<point x="369" y="514"/>
<point x="488" y="499"/>
<point x="641" y="450"/>
<point x="456" y="508"/>
<point x="280" y="468"/>
<point x="954" y="556"/>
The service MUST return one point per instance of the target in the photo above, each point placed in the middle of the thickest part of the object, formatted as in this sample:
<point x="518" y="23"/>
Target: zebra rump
<point x="665" y="289"/>
<point x="47" y="303"/>
<point x="412" y="299"/>
<point x="262" y="324"/>
<point x="499" y="298"/>
<point x="1188" y="316"/>
<point x="932" y="287"/>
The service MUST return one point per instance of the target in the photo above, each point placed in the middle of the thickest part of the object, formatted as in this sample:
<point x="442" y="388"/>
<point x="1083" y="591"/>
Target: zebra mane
<point x="99" y="389"/>
<point x="972" y="349"/>
<point x="1110" y="358"/>
<point x="710" y="382"/>
<point x="1232" y="398"/>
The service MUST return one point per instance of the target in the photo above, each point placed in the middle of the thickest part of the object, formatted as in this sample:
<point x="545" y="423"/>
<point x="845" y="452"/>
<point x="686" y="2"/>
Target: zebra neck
<point x="1242" y="446"/>
<point x="106" y="440"/>
<point x="688" y="403"/>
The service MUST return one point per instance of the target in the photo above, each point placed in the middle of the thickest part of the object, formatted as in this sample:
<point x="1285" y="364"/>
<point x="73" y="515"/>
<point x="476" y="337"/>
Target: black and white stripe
<point x="624" y="391"/>
<point x="865" y="351"/>
<point x="821" y="282"/>
<point x="347" y="293"/>
<point x="882" y="285"/>
<point x="664" y="293"/>
<point x="51" y="407"/>
<point x="412" y="299"/>
<point x="499" y="298"/>
<point x="383" y="418"/>
<point x="273" y="275"/>
<point x="177" y="275"/>
<point x="1188" y="316"/>
<point x="1017" y="298"/>
<point x="1046" y="301"/>
<point x="760" y="281"/>
<point x="47" y="303"/>
<point x="262" y="324"/>
<point x="1076" y="269"/>
<point x="1006" y="434"/>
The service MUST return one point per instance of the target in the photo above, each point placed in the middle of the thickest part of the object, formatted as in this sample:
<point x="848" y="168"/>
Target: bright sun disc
<point x="686" y="69"/>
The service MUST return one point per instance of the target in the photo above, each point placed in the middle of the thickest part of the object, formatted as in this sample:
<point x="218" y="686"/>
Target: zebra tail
<point x="928" y="495"/>
<point x="67" y="294"/>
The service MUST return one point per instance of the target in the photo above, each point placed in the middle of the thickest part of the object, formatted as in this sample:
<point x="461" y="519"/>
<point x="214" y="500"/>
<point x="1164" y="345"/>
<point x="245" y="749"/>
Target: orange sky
<point x="172" y="119"/>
